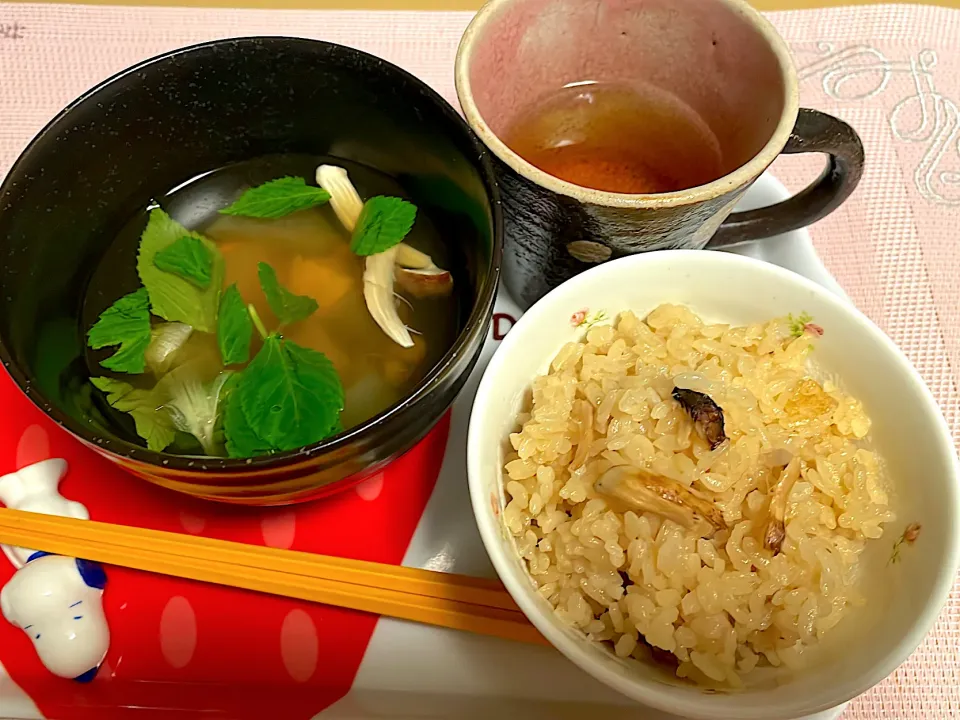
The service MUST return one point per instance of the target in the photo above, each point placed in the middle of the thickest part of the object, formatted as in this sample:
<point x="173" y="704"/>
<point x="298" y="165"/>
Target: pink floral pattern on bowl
<point x="583" y="318"/>
<point x="909" y="537"/>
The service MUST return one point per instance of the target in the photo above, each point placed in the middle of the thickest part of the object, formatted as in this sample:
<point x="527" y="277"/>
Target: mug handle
<point x="814" y="131"/>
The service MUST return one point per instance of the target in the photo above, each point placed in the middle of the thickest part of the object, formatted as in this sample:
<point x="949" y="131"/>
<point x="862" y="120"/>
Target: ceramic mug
<point x="720" y="58"/>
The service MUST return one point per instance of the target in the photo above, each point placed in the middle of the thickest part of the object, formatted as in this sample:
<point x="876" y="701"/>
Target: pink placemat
<point x="893" y="72"/>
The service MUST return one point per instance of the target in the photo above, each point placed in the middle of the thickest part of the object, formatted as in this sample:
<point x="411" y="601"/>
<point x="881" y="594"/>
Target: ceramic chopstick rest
<point x="55" y="600"/>
<point x="34" y="489"/>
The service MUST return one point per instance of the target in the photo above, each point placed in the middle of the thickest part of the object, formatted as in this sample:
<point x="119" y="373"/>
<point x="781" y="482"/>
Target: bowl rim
<point x="732" y="180"/>
<point x="637" y="686"/>
<point x="474" y="327"/>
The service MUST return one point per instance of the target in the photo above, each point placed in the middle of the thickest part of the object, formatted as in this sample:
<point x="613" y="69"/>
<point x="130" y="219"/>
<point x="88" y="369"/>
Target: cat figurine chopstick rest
<point x="55" y="600"/>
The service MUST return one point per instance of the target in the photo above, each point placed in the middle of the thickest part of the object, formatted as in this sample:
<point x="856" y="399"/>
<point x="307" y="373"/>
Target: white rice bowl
<point x="753" y="631"/>
<point x="720" y="604"/>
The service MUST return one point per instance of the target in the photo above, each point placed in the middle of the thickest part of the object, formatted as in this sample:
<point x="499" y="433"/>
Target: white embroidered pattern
<point x="859" y="72"/>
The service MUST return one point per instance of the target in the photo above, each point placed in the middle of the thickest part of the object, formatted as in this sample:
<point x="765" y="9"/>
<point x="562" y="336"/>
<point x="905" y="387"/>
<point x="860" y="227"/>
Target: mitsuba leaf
<point x="234" y="327"/>
<point x="383" y="223"/>
<point x="188" y="258"/>
<point x="125" y="323"/>
<point x="277" y="198"/>
<point x="288" y="308"/>
<point x="153" y="423"/>
<point x="291" y="396"/>
<point x="172" y="297"/>
<point x="240" y="439"/>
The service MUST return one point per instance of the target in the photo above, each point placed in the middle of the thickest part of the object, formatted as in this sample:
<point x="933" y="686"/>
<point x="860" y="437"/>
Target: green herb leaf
<point x="172" y="297"/>
<point x="288" y="308"/>
<point x="153" y="424"/>
<point x="383" y="223"/>
<point x="798" y="324"/>
<point x="291" y="396"/>
<point x="125" y="323"/>
<point x="241" y="440"/>
<point x="188" y="258"/>
<point x="277" y="198"/>
<point x="234" y="327"/>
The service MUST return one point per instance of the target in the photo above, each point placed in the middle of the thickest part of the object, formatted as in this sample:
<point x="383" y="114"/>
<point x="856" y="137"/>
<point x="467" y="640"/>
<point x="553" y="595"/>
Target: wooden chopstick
<point x="450" y="586"/>
<point x="32" y="530"/>
<point x="419" y="608"/>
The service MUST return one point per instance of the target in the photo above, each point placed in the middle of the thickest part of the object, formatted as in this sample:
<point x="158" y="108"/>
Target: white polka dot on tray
<point x="193" y="524"/>
<point x="178" y="632"/>
<point x="299" y="645"/>
<point x="371" y="488"/>
<point x="33" y="447"/>
<point x="279" y="528"/>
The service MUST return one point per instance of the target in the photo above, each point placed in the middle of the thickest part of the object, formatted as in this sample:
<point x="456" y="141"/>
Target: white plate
<point x="414" y="671"/>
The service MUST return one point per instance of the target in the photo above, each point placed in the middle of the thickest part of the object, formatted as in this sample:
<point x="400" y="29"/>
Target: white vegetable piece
<point x="166" y="340"/>
<point x="193" y="405"/>
<point x="378" y="274"/>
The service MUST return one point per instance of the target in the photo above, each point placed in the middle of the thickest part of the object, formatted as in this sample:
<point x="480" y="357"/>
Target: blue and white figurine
<point x="57" y="601"/>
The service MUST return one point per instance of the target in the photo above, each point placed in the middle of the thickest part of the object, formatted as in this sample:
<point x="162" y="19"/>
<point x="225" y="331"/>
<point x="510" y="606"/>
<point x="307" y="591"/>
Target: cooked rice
<point x="724" y="605"/>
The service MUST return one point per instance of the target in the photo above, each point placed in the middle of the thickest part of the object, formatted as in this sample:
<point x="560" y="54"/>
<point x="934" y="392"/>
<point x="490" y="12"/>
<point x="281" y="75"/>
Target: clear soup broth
<point x="310" y="252"/>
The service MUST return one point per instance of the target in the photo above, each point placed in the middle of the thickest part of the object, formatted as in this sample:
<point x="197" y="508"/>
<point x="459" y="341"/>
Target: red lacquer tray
<point x="181" y="647"/>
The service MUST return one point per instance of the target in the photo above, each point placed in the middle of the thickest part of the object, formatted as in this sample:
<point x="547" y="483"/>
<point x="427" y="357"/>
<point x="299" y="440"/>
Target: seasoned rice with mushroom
<point x="641" y="534"/>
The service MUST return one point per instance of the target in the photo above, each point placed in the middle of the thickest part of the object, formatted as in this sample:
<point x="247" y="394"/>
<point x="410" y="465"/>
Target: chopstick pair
<point x="443" y="599"/>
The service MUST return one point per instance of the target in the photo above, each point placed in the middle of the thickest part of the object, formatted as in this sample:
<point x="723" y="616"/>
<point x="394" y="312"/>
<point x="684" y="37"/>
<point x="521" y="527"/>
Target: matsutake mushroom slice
<point x="378" y="278"/>
<point x="424" y="283"/>
<point x="776" y="532"/>
<point x="378" y="273"/>
<point x="707" y="416"/>
<point x="419" y="276"/>
<point x="409" y="257"/>
<point x="644" y="492"/>
<point x="344" y="199"/>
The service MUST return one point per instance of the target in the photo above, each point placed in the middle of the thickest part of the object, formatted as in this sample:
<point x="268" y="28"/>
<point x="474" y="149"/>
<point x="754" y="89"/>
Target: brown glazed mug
<point x="719" y="57"/>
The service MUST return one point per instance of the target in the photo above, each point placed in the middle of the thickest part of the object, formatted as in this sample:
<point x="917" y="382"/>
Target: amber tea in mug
<point x="618" y="137"/>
